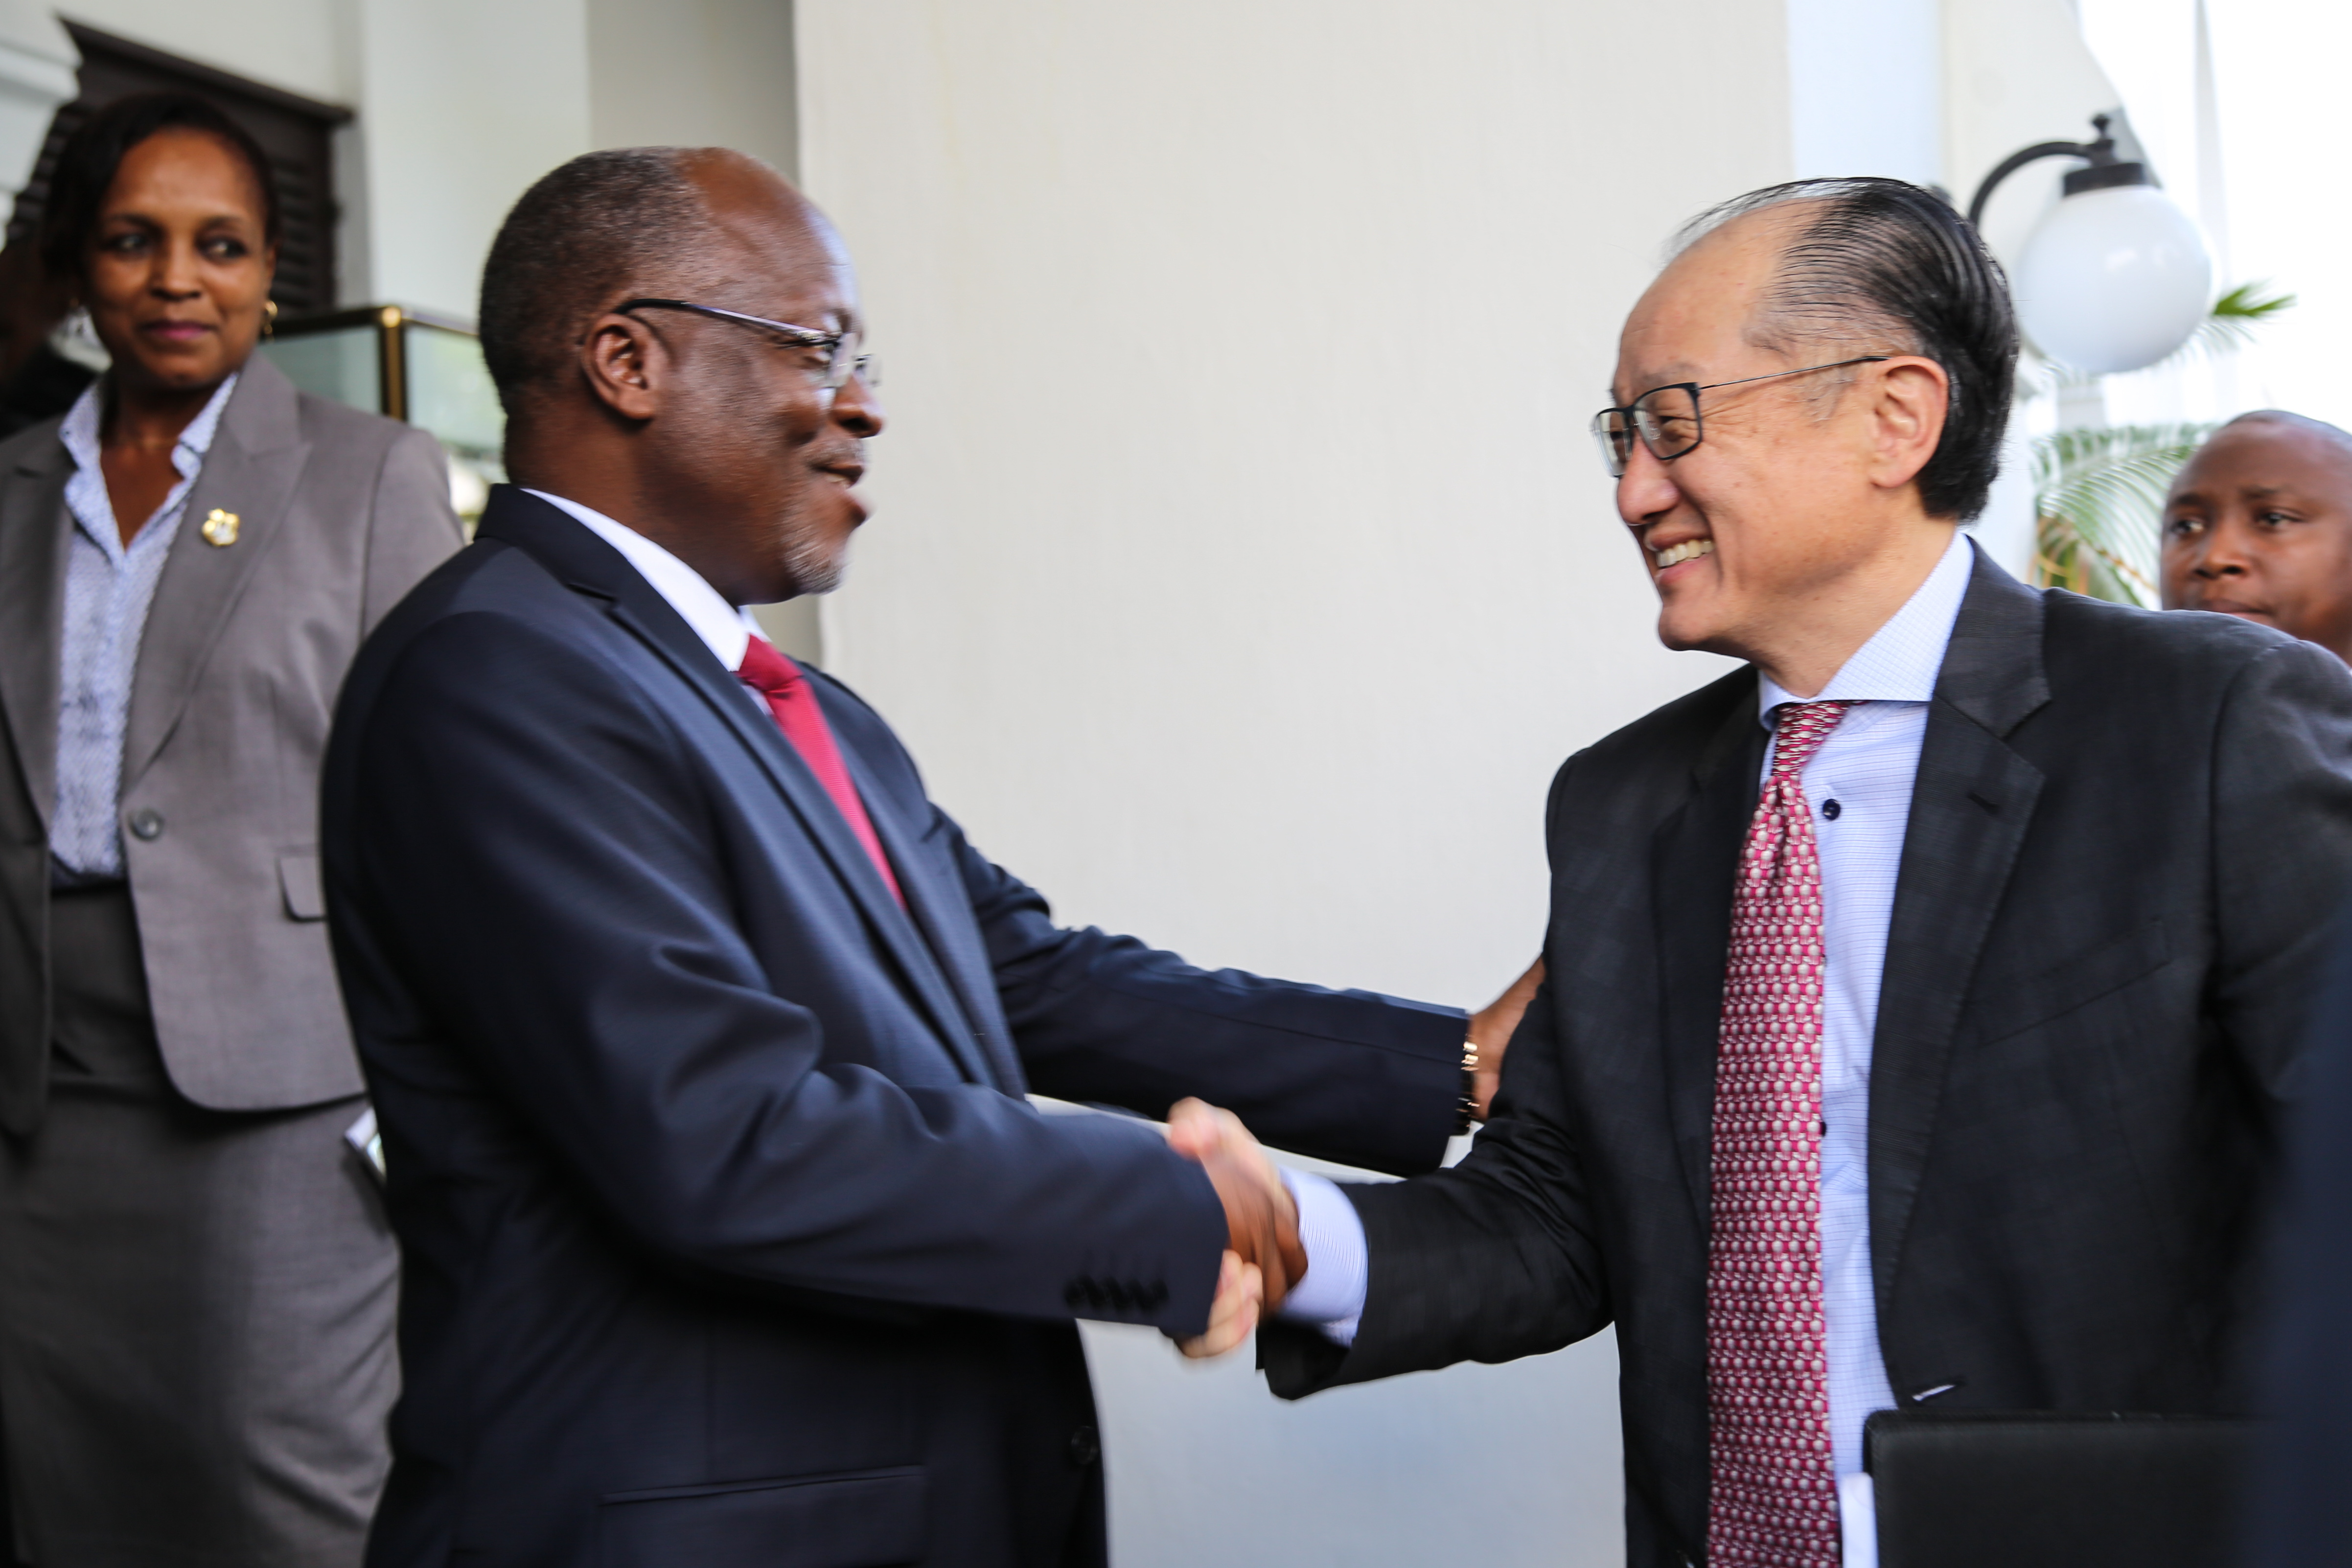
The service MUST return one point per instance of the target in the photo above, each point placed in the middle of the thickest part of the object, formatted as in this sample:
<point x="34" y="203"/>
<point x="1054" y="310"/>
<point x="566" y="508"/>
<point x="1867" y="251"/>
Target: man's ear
<point x="623" y="361"/>
<point x="1907" y="415"/>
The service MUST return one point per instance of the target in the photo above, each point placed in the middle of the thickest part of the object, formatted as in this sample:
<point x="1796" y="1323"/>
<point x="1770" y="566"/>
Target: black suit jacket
<point x="2299" y="1512"/>
<point x="2127" y="837"/>
<point x="729" y="1237"/>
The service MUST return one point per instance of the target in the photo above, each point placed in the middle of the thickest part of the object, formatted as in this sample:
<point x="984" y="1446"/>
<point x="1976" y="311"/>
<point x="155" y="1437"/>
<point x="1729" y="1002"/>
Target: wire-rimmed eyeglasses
<point x="1667" y="417"/>
<point x="842" y="360"/>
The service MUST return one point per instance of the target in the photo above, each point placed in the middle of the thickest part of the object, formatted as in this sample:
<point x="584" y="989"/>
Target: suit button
<point x="1085" y="1447"/>
<point x="147" y="823"/>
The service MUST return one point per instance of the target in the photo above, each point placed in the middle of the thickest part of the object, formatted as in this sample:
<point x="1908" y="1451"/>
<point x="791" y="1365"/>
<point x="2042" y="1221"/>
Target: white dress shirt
<point x="1859" y="786"/>
<point x="724" y="629"/>
<point x="110" y="587"/>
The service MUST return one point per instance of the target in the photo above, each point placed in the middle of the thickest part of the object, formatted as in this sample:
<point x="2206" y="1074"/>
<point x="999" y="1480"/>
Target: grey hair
<point x="1877" y="266"/>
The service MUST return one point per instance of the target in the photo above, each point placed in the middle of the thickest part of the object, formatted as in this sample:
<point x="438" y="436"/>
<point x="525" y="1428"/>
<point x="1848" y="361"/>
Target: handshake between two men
<point x="1266" y="1259"/>
<point x="702" y="1037"/>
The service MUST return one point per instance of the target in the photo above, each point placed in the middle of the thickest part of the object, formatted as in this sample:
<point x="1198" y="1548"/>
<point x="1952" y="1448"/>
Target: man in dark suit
<point x="698" y="1035"/>
<point x="1921" y="996"/>
<point x="2299" y="1513"/>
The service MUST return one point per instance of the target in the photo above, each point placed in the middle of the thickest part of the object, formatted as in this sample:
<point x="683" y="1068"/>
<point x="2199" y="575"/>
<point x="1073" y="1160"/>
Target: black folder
<point x="2041" y="1489"/>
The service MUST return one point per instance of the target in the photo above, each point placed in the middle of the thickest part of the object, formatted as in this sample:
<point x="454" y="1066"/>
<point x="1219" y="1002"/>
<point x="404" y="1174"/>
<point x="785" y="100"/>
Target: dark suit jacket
<point x="728" y="1236"/>
<point x="2299" y="1512"/>
<point x="340" y="514"/>
<point x="2128" y="832"/>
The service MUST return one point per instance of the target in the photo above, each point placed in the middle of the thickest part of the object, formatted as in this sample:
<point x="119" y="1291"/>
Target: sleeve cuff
<point x="1332" y="1296"/>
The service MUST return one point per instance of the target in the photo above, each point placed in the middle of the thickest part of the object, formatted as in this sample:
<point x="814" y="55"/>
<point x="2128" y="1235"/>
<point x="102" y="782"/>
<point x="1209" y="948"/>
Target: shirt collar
<point x="1902" y="659"/>
<point x="724" y="629"/>
<point x="79" y="432"/>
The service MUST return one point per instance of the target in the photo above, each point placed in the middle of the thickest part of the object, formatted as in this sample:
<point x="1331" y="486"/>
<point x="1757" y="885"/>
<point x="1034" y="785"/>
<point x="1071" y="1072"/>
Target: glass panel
<point x="450" y="393"/>
<point x="340" y="365"/>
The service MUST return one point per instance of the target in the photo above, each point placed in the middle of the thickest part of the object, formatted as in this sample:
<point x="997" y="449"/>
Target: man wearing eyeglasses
<point x="699" y="1036"/>
<point x="1920" y="997"/>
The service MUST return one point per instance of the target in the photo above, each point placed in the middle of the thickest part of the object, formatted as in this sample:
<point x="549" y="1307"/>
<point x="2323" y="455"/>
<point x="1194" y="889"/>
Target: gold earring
<point x="270" y="317"/>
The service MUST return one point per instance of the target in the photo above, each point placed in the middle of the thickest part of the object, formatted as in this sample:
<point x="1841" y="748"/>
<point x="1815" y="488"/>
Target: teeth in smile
<point x="1688" y="550"/>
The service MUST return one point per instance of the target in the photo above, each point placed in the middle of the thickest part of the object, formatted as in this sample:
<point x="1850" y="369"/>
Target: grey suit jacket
<point x="341" y="513"/>
<point x="2128" y="835"/>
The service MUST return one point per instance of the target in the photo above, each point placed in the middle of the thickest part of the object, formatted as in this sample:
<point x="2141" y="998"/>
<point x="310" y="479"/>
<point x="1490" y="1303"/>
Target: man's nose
<point x="2224" y="553"/>
<point x="1646" y="491"/>
<point x="856" y="409"/>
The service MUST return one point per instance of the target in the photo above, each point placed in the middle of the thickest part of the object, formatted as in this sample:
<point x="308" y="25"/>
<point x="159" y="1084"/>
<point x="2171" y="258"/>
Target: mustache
<point x="840" y="454"/>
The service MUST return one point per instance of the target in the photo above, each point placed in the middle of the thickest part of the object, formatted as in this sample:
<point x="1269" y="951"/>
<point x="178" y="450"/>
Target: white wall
<point x="465" y="102"/>
<point x="1866" y="88"/>
<point x="1242" y="567"/>
<point x="301" y="46"/>
<point x="694" y="73"/>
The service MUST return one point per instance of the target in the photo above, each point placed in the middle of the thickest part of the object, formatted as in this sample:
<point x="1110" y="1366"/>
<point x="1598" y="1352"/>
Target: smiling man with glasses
<point x="1922" y="997"/>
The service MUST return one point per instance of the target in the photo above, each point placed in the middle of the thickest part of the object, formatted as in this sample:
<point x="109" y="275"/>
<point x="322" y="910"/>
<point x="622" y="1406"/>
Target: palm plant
<point x="2097" y="492"/>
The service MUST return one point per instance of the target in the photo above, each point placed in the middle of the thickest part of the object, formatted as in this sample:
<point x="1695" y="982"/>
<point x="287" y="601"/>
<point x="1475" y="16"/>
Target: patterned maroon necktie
<point x="780" y="680"/>
<point x="1774" y="1502"/>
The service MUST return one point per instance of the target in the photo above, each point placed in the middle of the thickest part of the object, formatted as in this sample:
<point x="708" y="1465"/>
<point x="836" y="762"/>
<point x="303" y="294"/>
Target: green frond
<point x="2231" y="324"/>
<point x="2247" y="303"/>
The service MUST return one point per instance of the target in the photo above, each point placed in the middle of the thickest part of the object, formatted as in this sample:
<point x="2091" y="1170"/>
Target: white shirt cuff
<point x="1858" y="1520"/>
<point x="1332" y="1296"/>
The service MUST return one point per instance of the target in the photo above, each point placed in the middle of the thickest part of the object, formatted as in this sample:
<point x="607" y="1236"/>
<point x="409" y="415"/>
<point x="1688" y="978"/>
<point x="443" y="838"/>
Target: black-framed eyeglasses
<point x="842" y="360"/>
<point x="1667" y="417"/>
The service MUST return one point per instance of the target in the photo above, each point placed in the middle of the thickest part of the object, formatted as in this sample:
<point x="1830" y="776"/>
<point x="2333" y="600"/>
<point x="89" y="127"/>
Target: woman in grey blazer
<point x="196" y="1283"/>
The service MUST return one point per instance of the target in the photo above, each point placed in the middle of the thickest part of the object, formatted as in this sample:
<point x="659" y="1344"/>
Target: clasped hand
<point x="1264" y="1259"/>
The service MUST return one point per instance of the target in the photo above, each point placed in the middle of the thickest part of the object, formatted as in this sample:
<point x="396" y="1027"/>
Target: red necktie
<point x="1775" y="1484"/>
<point x="780" y="680"/>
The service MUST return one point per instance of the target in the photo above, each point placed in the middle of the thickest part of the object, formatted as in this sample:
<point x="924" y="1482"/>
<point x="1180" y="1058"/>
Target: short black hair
<point x="1879" y="265"/>
<point x="587" y="235"/>
<point x="93" y="155"/>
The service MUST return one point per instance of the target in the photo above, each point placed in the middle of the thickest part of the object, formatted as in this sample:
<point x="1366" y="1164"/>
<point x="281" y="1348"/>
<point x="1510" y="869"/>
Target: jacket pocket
<point x="2064" y="988"/>
<point x="866" y="1519"/>
<point x="298" y="875"/>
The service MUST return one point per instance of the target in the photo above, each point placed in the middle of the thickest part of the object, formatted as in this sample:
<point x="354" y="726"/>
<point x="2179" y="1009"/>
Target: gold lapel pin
<point x="220" y="529"/>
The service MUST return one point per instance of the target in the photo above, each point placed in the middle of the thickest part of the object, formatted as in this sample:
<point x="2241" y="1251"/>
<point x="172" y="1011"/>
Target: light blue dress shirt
<point x="110" y="587"/>
<point x="1859" y="786"/>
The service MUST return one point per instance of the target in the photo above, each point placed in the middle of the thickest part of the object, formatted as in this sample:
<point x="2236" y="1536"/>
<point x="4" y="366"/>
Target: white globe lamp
<point x="2116" y="276"/>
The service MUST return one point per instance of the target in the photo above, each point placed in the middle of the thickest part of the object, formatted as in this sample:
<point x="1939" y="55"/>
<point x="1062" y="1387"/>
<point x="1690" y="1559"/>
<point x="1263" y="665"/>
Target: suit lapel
<point x="938" y="902"/>
<point x="1970" y="806"/>
<point x="578" y="558"/>
<point x="256" y="458"/>
<point x="1693" y="856"/>
<point x="32" y="605"/>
